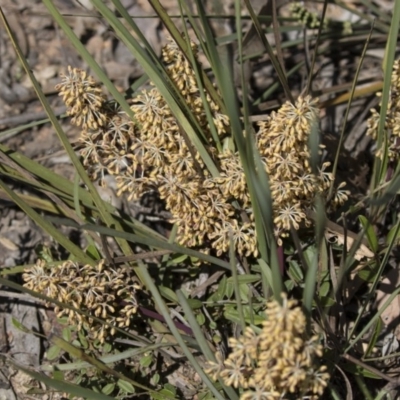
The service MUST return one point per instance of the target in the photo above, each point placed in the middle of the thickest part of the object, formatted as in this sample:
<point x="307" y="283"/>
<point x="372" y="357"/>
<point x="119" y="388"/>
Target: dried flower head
<point x="392" y="120"/>
<point x="84" y="98"/>
<point x="283" y="143"/>
<point x="281" y="360"/>
<point x="99" y="290"/>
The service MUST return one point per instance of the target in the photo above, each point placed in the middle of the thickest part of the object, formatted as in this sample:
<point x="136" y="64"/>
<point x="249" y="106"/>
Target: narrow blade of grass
<point x="200" y="339"/>
<point x="161" y="306"/>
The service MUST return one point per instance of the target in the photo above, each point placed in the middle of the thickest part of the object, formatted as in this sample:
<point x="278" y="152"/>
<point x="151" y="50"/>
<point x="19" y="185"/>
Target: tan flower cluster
<point x="392" y="122"/>
<point x="202" y="212"/>
<point x="84" y="98"/>
<point x="155" y="155"/>
<point x="283" y="144"/>
<point x="106" y="132"/>
<point x="280" y="362"/>
<point x="99" y="290"/>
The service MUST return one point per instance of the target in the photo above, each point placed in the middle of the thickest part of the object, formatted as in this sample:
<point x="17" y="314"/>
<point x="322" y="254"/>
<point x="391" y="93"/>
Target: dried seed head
<point x="280" y="359"/>
<point x="98" y="290"/>
<point x="392" y="120"/>
<point x="84" y="98"/>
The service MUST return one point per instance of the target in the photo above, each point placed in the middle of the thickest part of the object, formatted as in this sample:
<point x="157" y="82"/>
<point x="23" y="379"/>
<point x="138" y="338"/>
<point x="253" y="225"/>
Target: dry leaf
<point x="8" y="244"/>
<point x="362" y="251"/>
<point x="336" y="231"/>
<point x="392" y="312"/>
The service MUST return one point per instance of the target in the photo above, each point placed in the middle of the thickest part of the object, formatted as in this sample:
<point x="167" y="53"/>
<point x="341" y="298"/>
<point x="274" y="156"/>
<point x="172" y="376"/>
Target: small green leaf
<point x="53" y="352"/>
<point x="246" y="278"/>
<point x="232" y="315"/>
<point x="327" y="302"/>
<point x="83" y="341"/>
<point x="367" y="274"/>
<point x="126" y="386"/>
<point x="170" y="388"/>
<point x="222" y="285"/>
<point x="63" y="321"/>
<point x="216" y="339"/>
<point x="206" y="396"/>
<point x="155" y="379"/>
<point x="295" y="272"/>
<point x="66" y="334"/>
<point x="244" y="292"/>
<point x="358" y="370"/>
<point x="229" y="290"/>
<point x="93" y="252"/>
<point x="146" y="360"/>
<point x="168" y="294"/>
<point x="195" y="304"/>
<point x="107" y="347"/>
<point x="177" y="260"/>
<point x="108" y="389"/>
<point x="289" y="285"/>
<point x="201" y="319"/>
<point x="167" y="393"/>
<point x="194" y="260"/>
<point x="160" y="396"/>
<point x="369" y="233"/>
<point x="309" y="254"/>
<point x="324" y="289"/>
<point x="79" y="378"/>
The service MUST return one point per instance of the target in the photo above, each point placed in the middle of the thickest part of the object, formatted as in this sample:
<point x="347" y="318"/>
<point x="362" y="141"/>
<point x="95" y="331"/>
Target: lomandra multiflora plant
<point x="152" y="153"/>
<point x="280" y="361"/>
